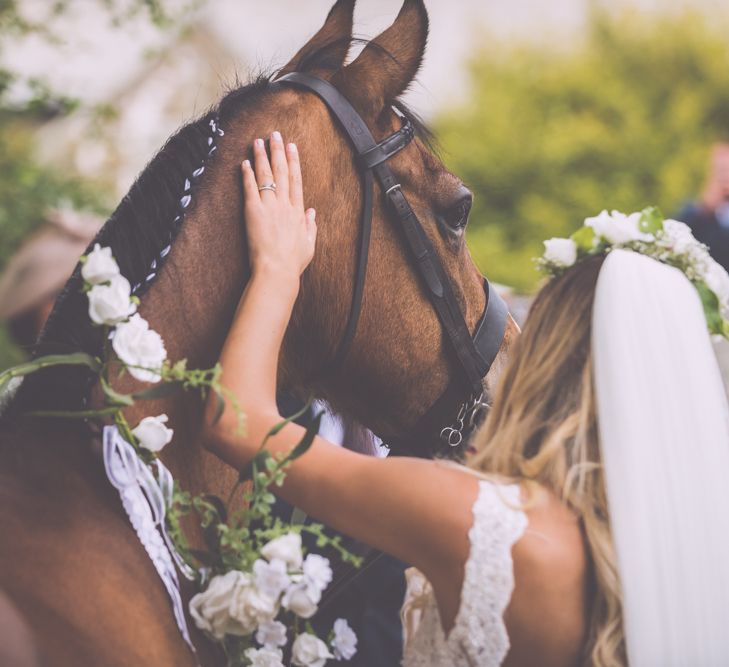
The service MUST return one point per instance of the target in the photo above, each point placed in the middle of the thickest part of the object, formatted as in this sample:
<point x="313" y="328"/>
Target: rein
<point x="474" y="355"/>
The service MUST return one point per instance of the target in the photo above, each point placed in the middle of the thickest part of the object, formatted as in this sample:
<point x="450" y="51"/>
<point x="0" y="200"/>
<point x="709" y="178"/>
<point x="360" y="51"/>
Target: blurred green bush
<point x="622" y="117"/>
<point x="27" y="191"/>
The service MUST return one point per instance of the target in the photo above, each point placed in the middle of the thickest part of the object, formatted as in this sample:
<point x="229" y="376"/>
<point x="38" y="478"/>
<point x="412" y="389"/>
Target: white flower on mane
<point x="344" y="642"/>
<point x="211" y="609"/>
<point x="110" y="304"/>
<point x="271" y="634"/>
<point x="309" y="651"/>
<point x="264" y="657"/>
<point x="301" y="598"/>
<point x="286" y="548"/>
<point x="99" y="266"/>
<point x="317" y="571"/>
<point x="152" y="433"/>
<point x="232" y="605"/>
<point x="140" y="348"/>
<point x="271" y="578"/>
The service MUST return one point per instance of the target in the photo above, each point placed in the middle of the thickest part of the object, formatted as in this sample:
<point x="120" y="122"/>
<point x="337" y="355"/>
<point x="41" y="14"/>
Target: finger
<point x="250" y="187"/>
<point x="264" y="175"/>
<point x="279" y="166"/>
<point x="296" y="189"/>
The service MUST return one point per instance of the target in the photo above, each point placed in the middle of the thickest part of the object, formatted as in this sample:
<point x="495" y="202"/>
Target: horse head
<point x="178" y="236"/>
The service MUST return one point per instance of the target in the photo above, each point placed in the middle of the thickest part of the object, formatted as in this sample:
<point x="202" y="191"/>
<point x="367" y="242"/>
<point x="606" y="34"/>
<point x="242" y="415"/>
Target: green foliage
<point x="27" y="191"/>
<point x="621" y="117"/>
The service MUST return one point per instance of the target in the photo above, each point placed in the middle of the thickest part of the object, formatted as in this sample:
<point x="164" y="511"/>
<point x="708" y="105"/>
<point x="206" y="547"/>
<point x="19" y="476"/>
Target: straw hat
<point x="45" y="261"/>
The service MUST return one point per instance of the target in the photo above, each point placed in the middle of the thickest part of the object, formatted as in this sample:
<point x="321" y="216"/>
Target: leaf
<point x="249" y="471"/>
<point x="73" y="359"/>
<point x="74" y="414"/>
<point x="219" y="506"/>
<point x="205" y="557"/>
<point x="712" y="309"/>
<point x="277" y="428"/>
<point x="114" y="396"/>
<point x="584" y="238"/>
<point x="211" y="537"/>
<point x="651" y="220"/>
<point x="308" y="439"/>
<point x="210" y="508"/>
<point x="219" y="406"/>
<point x="159" y="391"/>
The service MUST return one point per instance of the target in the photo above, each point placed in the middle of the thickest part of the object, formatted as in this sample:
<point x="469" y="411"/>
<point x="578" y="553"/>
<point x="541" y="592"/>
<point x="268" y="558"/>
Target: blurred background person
<point x="38" y="271"/>
<point x="708" y="216"/>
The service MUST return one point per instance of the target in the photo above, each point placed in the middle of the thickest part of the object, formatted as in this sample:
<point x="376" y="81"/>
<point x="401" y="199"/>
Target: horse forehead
<point x="299" y="109"/>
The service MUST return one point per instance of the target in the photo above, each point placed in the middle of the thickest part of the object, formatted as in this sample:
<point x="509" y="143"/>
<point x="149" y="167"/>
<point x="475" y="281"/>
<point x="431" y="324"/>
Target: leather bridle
<point x="474" y="355"/>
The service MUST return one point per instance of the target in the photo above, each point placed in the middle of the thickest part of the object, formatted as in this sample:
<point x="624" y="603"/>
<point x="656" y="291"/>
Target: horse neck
<point x="191" y="304"/>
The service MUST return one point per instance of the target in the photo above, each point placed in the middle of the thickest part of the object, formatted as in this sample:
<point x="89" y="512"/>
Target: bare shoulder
<point x="546" y="618"/>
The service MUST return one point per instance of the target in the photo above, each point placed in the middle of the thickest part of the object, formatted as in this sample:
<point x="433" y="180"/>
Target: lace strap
<point x="498" y="523"/>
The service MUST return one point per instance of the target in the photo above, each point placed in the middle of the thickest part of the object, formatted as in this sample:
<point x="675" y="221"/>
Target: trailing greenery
<point x="621" y="117"/>
<point x="249" y="554"/>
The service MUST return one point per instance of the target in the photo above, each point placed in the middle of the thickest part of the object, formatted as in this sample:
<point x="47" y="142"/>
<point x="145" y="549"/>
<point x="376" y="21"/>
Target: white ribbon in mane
<point x="145" y="500"/>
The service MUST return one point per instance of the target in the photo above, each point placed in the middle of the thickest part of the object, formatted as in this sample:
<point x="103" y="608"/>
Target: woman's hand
<point x="281" y="235"/>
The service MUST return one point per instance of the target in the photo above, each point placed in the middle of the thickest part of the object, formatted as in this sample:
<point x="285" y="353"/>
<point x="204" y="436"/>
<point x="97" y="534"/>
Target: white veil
<point x="664" y="432"/>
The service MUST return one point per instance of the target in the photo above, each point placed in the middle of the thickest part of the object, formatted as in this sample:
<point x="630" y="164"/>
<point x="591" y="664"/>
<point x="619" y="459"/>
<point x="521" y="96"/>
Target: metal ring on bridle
<point x="452" y="436"/>
<point x="267" y="186"/>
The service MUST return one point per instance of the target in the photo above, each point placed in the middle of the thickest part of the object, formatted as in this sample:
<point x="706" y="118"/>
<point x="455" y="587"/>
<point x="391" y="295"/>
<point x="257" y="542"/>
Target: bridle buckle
<point x="392" y="189"/>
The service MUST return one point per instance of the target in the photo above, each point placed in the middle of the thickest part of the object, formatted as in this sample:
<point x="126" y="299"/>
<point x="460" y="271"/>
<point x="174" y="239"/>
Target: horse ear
<point x="389" y="63"/>
<point x="332" y="41"/>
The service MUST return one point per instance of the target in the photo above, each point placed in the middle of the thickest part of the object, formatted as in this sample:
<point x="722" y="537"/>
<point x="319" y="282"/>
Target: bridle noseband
<point x="474" y="355"/>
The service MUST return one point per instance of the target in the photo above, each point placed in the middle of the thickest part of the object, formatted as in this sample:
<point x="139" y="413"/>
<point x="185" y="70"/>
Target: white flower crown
<point x="647" y="232"/>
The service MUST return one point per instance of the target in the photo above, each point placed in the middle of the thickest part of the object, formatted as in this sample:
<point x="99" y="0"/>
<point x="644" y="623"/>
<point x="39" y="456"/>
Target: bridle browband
<point x="474" y="355"/>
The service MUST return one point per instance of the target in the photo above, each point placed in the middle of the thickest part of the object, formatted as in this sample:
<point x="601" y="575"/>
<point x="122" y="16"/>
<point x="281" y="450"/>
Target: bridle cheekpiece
<point x="474" y="354"/>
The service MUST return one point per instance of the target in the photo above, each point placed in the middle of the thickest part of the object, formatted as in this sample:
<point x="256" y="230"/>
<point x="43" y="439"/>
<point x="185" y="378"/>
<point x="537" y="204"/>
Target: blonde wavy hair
<point x="543" y="428"/>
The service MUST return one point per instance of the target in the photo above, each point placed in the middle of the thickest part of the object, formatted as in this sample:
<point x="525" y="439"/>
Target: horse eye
<point x="456" y="215"/>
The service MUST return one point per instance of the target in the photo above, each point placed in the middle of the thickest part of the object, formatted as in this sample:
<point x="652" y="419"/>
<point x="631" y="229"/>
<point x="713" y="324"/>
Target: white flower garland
<point x="258" y="585"/>
<point x="647" y="232"/>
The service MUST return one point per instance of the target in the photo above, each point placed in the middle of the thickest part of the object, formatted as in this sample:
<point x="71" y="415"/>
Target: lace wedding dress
<point x="478" y="637"/>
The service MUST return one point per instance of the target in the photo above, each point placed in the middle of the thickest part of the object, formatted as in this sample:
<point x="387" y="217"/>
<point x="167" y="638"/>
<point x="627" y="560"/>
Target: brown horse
<point x="71" y="565"/>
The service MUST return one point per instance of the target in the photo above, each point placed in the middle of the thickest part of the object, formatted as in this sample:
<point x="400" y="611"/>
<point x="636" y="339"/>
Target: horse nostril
<point x="456" y="216"/>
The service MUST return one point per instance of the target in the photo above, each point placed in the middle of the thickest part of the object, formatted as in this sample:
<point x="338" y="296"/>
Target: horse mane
<point x="140" y="232"/>
<point x="144" y="224"/>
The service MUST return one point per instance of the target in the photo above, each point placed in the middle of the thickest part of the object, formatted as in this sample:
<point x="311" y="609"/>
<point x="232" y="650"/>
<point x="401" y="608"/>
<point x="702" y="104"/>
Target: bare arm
<point x="415" y="510"/>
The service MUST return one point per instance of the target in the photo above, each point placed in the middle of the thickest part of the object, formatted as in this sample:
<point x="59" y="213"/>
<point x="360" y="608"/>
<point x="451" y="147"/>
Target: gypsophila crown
<point x="647" y="232"/>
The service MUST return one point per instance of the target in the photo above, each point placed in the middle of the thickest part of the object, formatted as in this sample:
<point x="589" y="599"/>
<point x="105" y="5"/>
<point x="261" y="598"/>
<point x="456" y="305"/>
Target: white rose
<point x="251" y="607"/>
<point x="111" y="304"/>
<point x="345" y="641"/>
<point x="562" y="252"/>
<point x="265" y="657"/>
<point x="617" y="228"/>
<point x="317" y="571"/>
<point x="152" y="433"/>
<point x="309" y="651"/>
<point x="210" y="609"/>
<point x="302" y="599"/>
<point x="286" y="548"/>
<point x="99" y="266"/>
<point x="271" y="578"/>
<point x="271" y="634"/>
<point x="138" y="345"/>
